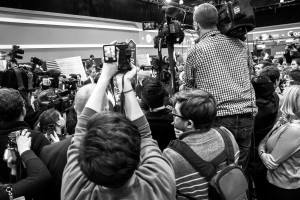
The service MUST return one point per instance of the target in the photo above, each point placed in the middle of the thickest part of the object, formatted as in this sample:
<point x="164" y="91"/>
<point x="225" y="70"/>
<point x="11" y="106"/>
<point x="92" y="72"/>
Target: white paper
<point x="143" y="59"/>
<point x="2" y="65"/>
<point x="72" y="65"/>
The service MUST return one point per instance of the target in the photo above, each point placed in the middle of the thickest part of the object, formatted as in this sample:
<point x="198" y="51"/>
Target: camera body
<point x="236" y="18"/>
<point x="171" y="33"/>
<point x="110" y="55"/>
<point x="61" y="101"/>
<point x="36" y="61"/>
<point x="70" y="83"/>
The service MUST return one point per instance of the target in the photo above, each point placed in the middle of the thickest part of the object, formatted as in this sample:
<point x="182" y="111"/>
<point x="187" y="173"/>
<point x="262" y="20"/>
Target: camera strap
<point x="122" y="97"/>
<point x="19" y="78"/>
<point x="30" y="81"/>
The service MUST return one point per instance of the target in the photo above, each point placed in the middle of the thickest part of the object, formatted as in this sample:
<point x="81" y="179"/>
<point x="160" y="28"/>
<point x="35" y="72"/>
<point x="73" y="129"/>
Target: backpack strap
<point x="19" y="78"/>
<point x="229" y="150"/>
<point x="206" y="169"/>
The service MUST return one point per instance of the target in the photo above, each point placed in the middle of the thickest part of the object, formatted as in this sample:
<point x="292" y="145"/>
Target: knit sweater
<point x="207" y="145"/>
<point x="154" y="178"/>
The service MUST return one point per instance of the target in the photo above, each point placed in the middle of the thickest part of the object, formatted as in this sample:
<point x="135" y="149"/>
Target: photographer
<point x="291" y="52"/>
<point x="12" y="113"/>
<point x="113" y="156"/>
<point x="219" y="65"/>
<point x="38" y="176"/>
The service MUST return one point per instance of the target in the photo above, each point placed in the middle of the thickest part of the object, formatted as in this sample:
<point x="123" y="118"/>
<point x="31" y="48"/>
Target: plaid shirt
<point x="219" y="65"/>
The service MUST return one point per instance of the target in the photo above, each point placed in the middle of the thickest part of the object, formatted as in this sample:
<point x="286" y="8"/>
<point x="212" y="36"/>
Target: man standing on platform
<point x="219" y="65"/>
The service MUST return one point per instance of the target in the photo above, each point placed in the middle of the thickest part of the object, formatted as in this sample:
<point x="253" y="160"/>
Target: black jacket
<point x="161" y="128"/>
<point x="55" y="158"/>
<point x="38" y="141"/>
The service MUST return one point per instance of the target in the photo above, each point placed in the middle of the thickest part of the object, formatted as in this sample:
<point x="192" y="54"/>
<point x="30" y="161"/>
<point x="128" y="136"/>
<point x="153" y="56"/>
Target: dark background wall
<point x="138" y="11"/>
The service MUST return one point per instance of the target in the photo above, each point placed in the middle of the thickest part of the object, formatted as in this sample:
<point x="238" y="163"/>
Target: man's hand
<point x="127" y="77"/>
<point x="23" y="141"/>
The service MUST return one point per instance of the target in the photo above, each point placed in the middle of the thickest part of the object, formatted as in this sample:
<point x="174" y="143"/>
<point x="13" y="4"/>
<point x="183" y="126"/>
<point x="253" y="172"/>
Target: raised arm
<point x="132" y="107"/>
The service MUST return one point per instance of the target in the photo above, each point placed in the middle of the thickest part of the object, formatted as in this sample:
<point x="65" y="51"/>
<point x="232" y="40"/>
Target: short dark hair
<point x="206" y="15"/>
<point x="197" y="105"/>
<point x="153" y="93"/>
<point x="11" y="104"/>
<point x="50" y="116"/>
<point x="272" y="72"/>
<point x="295" y="76"/>
<point x="110" y="151"/>
<point x="91" y="56"/>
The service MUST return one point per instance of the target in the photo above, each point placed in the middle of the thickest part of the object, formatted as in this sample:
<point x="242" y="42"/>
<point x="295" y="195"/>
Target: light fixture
<point x="181" y="2"/>
<point x="168" y="1"/>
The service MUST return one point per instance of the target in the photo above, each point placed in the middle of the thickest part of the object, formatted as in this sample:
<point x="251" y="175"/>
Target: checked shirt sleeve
<point x="190" y="70"/>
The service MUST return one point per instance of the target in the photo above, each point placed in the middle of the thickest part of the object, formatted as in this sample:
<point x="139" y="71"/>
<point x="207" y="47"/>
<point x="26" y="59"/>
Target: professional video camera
<point x="236" y="18"/>
<point x="13" y="54"/>
<point x="58" y="99"/>
<point x="70" y="83"/>
<point x="170" y="30"/>
<point x="110" y="55"/>
<point x="48" y="78"/>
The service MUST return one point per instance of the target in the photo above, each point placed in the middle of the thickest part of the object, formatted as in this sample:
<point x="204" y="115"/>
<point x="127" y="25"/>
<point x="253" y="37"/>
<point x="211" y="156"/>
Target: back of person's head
<point x="272" y="72"/>
<point x="295" y="76"/>
<point x="197" y="105"/>
<point x="291" y="102"/>
<point x="82" y="96"/>
<point x="74" y="76"/>
<point x="91" y="56"/>
<point x="153" y="93"/>
<point x="206" y="15"/>
<point x="271" y="58"/>
<point x="263" y="86"/>
<point x="11" y="105"/>
<point x="48" y="117"/>
<point x="110" y="151"/>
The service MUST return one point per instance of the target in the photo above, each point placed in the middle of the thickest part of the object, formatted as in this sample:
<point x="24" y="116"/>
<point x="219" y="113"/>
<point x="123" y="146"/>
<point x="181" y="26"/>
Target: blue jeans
<point x="241" y="126"/>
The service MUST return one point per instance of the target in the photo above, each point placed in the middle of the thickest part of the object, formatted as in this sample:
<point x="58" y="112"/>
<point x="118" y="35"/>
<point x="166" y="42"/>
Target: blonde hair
<point x="291" y="102"/>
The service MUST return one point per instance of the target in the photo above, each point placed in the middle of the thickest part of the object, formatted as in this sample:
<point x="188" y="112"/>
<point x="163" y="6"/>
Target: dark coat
<point x="38" y="141"/>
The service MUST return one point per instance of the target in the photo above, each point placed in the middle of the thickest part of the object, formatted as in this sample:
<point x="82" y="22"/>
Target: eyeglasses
<point x="175" y="115"/>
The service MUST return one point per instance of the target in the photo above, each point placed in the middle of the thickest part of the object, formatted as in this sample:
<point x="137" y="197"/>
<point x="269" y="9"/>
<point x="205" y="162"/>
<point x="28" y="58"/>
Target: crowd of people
<point x="89" y="151"/>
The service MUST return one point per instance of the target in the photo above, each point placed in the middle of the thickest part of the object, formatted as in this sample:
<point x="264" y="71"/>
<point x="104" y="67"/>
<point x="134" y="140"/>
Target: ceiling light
<point x="181" y="2"/>
<point x="168" y="1"/>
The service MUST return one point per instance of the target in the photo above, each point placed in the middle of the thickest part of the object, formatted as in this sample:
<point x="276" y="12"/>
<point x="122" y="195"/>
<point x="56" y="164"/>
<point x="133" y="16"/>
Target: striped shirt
<point x="219" y="65"/>
<point x="208" y="146"/>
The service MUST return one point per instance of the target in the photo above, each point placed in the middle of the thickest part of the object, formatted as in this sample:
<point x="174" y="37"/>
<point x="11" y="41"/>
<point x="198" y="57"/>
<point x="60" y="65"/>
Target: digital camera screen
<point x="109" y="52"/>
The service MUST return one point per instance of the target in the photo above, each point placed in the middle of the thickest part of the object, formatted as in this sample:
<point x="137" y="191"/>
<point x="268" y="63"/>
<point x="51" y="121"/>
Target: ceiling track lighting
<point x="181" y="2"/>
